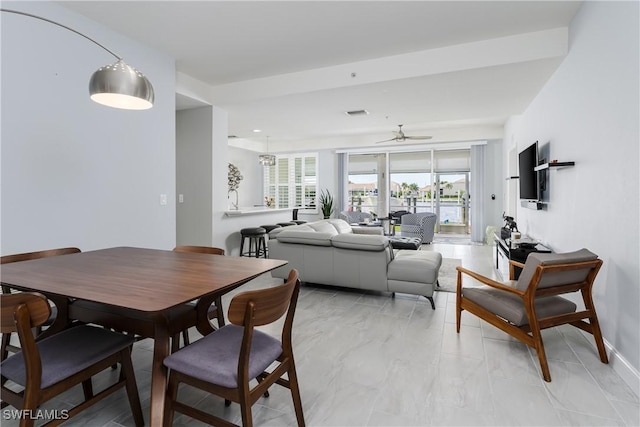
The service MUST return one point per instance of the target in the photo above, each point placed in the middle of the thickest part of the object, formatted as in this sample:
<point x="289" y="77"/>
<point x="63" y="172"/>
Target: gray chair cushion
<point x="214" y="358"/>
<point x="67" y="353"/>
<point x="553" y="279"/>
<point x="511" y="307"/>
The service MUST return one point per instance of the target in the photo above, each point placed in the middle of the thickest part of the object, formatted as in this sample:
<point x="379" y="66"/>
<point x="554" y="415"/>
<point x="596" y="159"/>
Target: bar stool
<point x="257" y="242"/>
<point x="295" y="218"/>
<point x="270" y="227"/>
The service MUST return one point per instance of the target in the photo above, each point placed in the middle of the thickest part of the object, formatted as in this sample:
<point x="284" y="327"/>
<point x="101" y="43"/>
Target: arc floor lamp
<point x="116" y="85"/>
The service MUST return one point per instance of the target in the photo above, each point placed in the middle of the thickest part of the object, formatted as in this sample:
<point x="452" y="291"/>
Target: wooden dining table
<point x="135" y="290"/>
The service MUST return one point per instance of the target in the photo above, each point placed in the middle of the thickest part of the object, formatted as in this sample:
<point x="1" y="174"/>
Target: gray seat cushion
<point x="214" y="358"/>
<point x="511" y="307"/>
<point x="415" y="266"/>
<point x="67" y="353"/>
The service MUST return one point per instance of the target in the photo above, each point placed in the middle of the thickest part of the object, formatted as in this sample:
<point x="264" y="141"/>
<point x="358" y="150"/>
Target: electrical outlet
<point x="180" y="198"/>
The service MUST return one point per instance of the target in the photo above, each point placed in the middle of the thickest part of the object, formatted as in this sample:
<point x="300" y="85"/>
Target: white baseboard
<point x="622" y="367"/>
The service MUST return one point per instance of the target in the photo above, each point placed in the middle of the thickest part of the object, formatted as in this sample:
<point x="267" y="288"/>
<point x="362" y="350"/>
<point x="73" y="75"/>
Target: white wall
<point x="494" y="181"/>
<point x="194" y="176"/>
<point x="75" y="173"/>
<point x="588" y="112"/>
<point x="251" y="191"/>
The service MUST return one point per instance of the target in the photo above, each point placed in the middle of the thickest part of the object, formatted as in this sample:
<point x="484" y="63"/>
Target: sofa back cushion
<point x="341" y="226"/>
<point x="305" y="237"/>
<point x="323" y="227"/>
<point x="360" y="242"/>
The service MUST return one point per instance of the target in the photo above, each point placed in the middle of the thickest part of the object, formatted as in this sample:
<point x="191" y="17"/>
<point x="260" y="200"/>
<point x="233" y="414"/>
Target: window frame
<point x="274" y="186"/>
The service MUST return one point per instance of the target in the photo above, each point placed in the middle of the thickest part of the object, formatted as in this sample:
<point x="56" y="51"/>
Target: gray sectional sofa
<point x="331" y="252"/>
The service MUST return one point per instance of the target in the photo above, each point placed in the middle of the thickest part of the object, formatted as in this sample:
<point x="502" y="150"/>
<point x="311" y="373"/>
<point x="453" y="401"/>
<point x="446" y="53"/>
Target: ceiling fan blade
<point x="418" y="137"/>
<point x="386" y="140"/>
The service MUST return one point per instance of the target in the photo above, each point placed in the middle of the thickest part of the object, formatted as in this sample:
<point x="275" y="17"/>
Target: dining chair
<point x="215" y="310"/>
<point x="225" y="361"/>
<point x="49" y="367"/>
<point x="524" y="307"/>
<point x="6" y="345"/>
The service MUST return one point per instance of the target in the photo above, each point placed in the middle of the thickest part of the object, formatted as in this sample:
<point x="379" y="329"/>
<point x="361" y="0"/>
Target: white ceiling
<point x="455" y="70"/>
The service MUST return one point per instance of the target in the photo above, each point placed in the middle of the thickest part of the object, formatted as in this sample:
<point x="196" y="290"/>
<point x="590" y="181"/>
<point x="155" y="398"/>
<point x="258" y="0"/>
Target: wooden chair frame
<point x="243" y="311"/>
<point x="530" y="334"/>
<point x="219" y="315"/>
<point x="6" y="345"/>
<point x="20" y="313"/>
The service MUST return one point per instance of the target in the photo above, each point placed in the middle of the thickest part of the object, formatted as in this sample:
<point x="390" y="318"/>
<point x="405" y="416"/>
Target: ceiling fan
<point x="400" y="136"/>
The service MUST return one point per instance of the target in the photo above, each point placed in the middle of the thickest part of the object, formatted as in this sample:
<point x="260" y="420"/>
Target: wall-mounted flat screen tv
<point x="528" y="178"/>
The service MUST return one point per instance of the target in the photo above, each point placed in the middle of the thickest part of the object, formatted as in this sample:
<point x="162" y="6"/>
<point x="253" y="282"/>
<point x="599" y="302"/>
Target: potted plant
<point x="326" y="203"/>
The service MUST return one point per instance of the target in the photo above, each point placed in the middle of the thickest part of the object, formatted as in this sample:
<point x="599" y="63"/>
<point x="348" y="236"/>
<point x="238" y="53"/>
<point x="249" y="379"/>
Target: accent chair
<point x="421" y="225"/>
<point x="524" y="307"/>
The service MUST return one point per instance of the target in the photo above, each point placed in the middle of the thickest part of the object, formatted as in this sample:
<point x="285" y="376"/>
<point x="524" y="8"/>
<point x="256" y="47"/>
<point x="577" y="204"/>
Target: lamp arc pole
<point x="117" y="85"/>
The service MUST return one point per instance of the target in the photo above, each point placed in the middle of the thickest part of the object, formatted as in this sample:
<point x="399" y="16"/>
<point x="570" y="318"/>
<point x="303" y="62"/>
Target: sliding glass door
<point x="367" y="187"/>
<point x="418" y="181"/>
<point x="452" y="169"/>
<point x="452" y="202"/>
<point x="410" y="182"/>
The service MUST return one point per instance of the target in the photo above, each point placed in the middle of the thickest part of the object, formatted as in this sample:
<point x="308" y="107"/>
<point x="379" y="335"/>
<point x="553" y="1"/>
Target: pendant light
<point x="267" y="159"/>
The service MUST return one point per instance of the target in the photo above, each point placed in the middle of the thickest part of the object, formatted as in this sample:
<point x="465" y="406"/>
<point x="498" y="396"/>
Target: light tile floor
<point x="366" y="359"/>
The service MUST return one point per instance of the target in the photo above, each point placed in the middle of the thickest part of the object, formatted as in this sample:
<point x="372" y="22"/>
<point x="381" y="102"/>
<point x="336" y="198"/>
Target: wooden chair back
<point x="37" y="255"/>
<point x="38" y="310"/>
<point x="218" y="313"/>
<point x="6" y="345"/>
<point x="267" y="305"/>
<point x="200" y="249"/>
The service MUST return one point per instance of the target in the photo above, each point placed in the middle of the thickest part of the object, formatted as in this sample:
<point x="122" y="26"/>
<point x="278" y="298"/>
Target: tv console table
<point x="505" y="252"/>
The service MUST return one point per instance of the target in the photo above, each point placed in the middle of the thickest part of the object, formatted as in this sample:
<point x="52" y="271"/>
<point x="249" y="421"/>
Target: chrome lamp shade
<point x="267" y="159"/>
<point x="121" y="86"/>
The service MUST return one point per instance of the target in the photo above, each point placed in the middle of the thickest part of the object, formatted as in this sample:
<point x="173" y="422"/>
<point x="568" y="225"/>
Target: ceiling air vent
<point x="231" y="136"/>
<point x="357" y="113"/>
